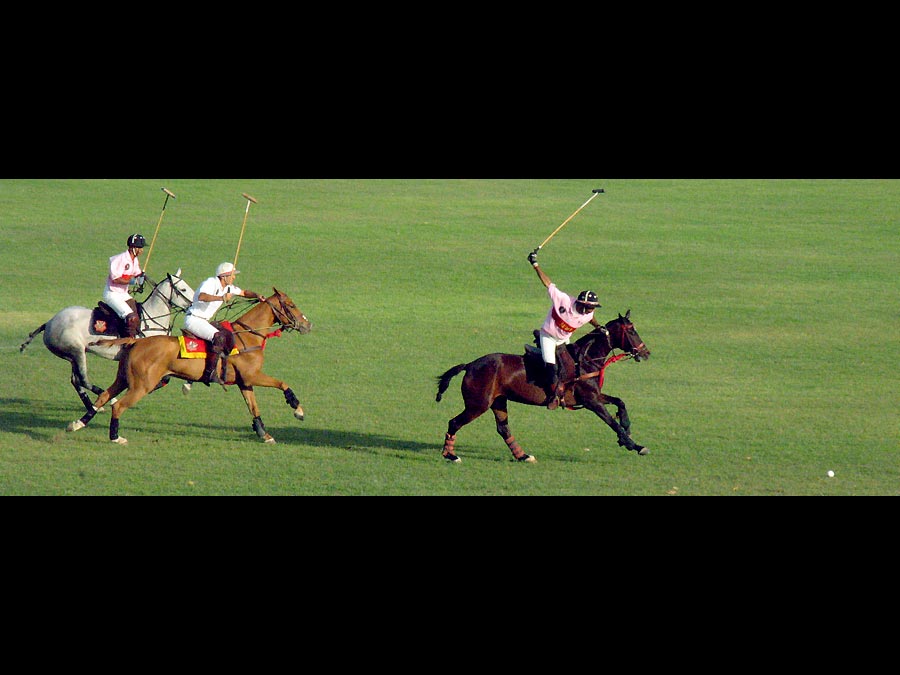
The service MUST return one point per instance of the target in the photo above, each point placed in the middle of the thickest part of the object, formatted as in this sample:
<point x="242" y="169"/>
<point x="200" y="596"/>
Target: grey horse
<point x="69" y="332"/>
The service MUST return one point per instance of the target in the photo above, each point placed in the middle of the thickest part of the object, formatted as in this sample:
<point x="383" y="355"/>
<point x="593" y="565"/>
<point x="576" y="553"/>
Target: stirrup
<point x="556" y="398"/>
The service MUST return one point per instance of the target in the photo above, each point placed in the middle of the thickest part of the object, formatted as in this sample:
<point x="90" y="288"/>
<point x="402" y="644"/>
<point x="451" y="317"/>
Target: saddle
<point x="534" y="362"/>
<point x="193" y="347"/>
<point x="104" y="321"/>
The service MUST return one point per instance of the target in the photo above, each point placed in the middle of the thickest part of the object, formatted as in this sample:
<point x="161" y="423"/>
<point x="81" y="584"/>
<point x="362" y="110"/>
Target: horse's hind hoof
<point x="119" y="440"/>
<point x="526" y="458"/>
<point x="641" y="450"/>
<point x="450" y="457"/>
<point x="75" y="426"/>
<point x="298" y="413"/>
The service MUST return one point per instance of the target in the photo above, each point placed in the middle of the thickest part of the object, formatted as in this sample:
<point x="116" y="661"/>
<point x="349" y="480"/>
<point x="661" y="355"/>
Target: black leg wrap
<point x="292" y="400"/>
<point x="258" y="427"/>
<point x="113" y="429"/>
<point x="88" y="416"/>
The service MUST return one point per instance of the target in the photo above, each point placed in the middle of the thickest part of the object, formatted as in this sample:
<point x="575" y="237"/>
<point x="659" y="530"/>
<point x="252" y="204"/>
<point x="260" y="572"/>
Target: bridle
<point x="621" y="329"/>
<point x="173" y="308"/>
<point x="283" y="316"/>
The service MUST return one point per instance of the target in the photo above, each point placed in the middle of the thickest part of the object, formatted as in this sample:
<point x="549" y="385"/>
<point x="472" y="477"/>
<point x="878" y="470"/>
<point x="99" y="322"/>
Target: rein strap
<point x="600" y="373"/>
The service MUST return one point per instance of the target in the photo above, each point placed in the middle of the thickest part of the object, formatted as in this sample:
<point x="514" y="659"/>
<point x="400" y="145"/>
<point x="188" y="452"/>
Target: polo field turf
<point x="770" y="308"/>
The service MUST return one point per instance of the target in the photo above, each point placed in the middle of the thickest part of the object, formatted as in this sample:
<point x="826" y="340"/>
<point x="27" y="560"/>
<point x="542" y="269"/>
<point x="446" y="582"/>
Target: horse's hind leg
<point x="472" y="412"/>
<point x="501" y="414"/>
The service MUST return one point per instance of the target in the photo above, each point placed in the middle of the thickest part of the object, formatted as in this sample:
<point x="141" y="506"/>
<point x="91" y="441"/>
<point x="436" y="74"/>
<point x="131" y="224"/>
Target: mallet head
<point x="599" y="191"/>
<point x="249" y="198"/>
<point x="169" y="192"/>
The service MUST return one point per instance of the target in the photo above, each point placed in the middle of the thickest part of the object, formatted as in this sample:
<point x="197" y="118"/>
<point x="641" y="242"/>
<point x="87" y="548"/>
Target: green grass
<point x="770" y="307"/>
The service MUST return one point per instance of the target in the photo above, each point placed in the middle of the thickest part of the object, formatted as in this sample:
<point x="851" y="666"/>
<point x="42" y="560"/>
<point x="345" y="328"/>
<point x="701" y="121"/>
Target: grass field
<point x="770" y="307"/>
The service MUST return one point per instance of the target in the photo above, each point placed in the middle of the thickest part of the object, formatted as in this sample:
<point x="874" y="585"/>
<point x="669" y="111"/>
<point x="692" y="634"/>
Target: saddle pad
<point x="191" y="348"/>
<point x="195" y="348"/>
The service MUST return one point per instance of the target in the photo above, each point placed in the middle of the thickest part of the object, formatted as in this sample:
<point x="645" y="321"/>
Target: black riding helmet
<point x="588" y="301"/>
<point x="136" y="241"/>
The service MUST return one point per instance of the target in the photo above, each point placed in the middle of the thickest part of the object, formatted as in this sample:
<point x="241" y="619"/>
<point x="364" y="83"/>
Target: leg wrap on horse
<point x="258" y="427"/>
<point x="514" y="447"/>
<point x="291" y="399"/>
<point x="449" y="445"/>
<point x="113" y="429"/>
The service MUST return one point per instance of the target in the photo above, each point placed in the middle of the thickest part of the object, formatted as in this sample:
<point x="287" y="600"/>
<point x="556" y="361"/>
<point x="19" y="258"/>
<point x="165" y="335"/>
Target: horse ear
<point x="178" y="273"/>
<point x="628" y="313"/>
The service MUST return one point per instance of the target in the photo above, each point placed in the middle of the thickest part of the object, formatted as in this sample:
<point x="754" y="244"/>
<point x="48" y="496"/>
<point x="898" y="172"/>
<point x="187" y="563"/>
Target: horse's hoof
<point x="526" y="458"/>
<point x="186" y="388"/>
<point x="268" y="439"/>
<point x="450" y="457"/>
<point x="642" y="451"/>
<point x="119" y="440"/>
<point x="298" y="413"/>
<point x="100" y="409"/>
<point x="75" y="426"/>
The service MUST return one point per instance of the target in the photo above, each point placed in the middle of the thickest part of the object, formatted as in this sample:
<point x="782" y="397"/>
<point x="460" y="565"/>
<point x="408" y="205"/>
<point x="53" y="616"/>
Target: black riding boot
<point x="215" y="350"/>
<point x="552" y="377"/>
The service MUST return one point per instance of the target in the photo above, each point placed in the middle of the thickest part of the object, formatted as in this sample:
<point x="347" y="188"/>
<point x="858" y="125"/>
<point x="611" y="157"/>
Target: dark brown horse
<point x="494" y="379"/>
<point x="150" y="359"/>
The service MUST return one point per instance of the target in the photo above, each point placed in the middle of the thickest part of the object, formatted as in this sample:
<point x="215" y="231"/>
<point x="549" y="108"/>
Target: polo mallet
<point x="246" y="213"/>
<point x="169" y="193"/>
<point x="597" y="191"/>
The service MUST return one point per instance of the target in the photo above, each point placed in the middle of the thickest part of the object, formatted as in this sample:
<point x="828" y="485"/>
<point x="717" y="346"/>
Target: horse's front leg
<point x="596" y="402"/>
<point x="246" y="386"/>
<point x="621" y="411"/>
<point x="105" y="397"/>
<point x="258" y="426"/>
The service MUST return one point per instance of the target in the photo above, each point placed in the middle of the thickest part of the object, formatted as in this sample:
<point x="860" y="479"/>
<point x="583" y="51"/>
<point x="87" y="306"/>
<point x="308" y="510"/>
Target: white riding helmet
<point x="226" y="268"/>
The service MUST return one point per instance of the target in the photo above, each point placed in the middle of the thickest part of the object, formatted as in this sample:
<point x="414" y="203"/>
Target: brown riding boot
<point x="132" y="325"/>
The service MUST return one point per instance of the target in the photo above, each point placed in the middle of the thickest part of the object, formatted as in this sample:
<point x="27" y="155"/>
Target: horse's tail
<point x="121" y="342"/>
<point x="444" y="380"/>
<point x="31" y="336"/>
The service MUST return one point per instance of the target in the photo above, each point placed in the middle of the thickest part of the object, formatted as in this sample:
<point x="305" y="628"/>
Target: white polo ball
<point x="830" y="473"/>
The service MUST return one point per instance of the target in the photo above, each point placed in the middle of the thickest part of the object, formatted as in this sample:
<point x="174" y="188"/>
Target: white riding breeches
<point x="549" y="345"/>
<point x="199" y="327"/>
<point x="119" y="303"/>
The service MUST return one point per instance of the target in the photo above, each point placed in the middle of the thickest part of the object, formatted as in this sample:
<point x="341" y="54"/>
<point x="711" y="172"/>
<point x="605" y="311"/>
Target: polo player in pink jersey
<point x="566" y="315"/>
<point x="124" y="271"/>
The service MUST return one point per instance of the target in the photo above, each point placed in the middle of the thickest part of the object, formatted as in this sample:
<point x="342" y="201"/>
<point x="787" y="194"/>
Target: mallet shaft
<point x="243" y="225"/>
<point x="565" y="222"/>
<point x="171" y="194"/>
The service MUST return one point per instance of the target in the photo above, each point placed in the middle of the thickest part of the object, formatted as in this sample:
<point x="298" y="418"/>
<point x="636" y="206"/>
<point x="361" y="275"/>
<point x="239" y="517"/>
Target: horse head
<point x="622" y="335"/>
<point x="175" y="291"/>
<point x="287" y="313"/>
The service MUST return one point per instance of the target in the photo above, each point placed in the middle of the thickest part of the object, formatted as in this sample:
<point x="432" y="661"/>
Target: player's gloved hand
<point x="532" y="258"/>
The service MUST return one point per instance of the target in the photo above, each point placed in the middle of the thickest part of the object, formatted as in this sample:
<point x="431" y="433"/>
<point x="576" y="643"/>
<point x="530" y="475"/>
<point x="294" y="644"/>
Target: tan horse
<point x="150" y="359"/>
